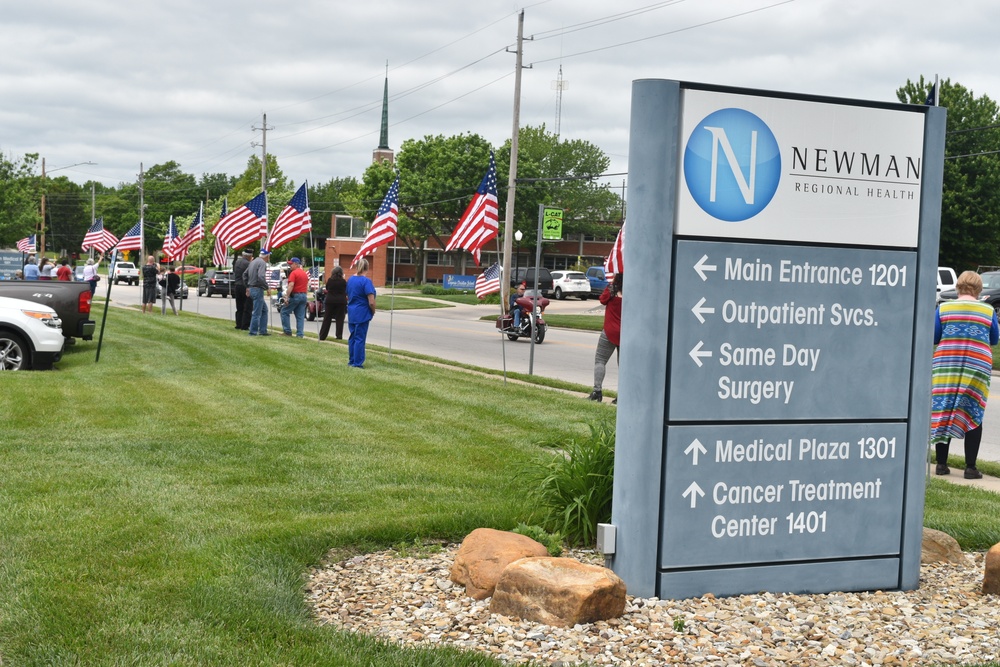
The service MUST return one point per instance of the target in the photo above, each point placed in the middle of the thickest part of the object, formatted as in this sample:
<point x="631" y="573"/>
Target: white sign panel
<point x="797" y="170"/>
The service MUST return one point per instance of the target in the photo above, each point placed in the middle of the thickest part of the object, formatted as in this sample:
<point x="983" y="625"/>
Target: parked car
<point x="125" y="272"/>
<point x="216" y="282"/>
<point x="569" y="283"/>
<point x="180" y="293"/>
<point x="946" y="279"/>
<point x="30" y="335"/>
<point x="990" y="293"/>
<point x="598" y="281"/>
<point x="187" y="269"/>
<point x="527" y="275"/>
<point x="78" y="274"/>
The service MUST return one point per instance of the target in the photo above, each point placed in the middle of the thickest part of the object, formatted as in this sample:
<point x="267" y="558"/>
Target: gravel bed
<point x="411" y="600"/>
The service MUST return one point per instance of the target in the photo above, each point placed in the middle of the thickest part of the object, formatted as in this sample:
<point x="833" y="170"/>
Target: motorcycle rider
<point x="514" y="308"/>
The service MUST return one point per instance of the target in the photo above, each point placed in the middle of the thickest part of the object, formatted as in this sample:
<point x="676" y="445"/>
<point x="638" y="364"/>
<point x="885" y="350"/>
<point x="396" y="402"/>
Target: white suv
<point x="570" y="283"/>
<point x="30" y="335"/>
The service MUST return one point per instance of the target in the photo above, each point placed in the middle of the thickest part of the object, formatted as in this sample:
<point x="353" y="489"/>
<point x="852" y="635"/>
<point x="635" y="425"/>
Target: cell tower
<point x="559" y="86"/>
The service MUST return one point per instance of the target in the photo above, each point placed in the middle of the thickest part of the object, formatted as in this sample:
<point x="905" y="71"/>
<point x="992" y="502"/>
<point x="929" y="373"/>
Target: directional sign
<point x="787" y="492"/>
<point x="763" y="331"/>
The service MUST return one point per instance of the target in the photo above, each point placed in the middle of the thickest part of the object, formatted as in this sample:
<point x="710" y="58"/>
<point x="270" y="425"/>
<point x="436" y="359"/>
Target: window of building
<point x="350" y="227"/>
<point x="436" y="258"/>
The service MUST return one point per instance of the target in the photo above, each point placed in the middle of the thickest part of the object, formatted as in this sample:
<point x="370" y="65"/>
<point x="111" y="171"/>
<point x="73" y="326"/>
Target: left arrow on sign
<point x="699" y="310"/>
<point x="697" y="353"/>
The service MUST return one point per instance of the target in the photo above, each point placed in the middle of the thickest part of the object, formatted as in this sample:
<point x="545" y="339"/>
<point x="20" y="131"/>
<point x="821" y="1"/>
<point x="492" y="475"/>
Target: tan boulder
<point x="485" y="553"/>
<point x="558" y="591"/>
<point x="939" y="547"/>
<point x="991" y="573"/>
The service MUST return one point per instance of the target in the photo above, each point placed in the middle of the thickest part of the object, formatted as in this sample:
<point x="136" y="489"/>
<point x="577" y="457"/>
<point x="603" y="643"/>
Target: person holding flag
<point x="150" y="274"/>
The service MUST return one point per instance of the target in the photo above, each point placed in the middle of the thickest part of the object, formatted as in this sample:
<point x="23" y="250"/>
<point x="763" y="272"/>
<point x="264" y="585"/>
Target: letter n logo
<point x="732" y="165"/>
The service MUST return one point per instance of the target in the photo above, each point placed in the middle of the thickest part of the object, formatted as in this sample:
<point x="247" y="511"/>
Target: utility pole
<point x="142" y="218"/>
<point x="41" y="245"/>
<point x="263" y="156"/>
<point x="508" y="223"/>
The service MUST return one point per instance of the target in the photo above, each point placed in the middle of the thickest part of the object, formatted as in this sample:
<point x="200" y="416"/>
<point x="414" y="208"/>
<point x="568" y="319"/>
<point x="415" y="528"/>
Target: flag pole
<point x="392" y="294"/>
<point x="503" y="311"/>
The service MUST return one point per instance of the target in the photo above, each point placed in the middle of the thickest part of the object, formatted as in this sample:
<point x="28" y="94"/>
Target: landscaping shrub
<point x="574" y="486"/>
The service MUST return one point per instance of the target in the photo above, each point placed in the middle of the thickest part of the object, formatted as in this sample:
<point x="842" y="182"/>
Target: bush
<point x="552" y="541"/>
<point x="574" y="486"/>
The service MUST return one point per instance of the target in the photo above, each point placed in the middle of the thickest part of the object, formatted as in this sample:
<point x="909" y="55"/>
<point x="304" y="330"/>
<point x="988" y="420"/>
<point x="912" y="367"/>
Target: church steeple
<point x="383" y="152"/>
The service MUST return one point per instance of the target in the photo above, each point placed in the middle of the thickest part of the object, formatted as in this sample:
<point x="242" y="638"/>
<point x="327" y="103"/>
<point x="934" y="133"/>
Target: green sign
<point x="552" y="219"/>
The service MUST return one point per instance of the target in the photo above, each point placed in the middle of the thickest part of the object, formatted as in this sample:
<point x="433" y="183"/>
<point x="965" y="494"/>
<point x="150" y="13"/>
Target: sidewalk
<point x="988" y="483"/>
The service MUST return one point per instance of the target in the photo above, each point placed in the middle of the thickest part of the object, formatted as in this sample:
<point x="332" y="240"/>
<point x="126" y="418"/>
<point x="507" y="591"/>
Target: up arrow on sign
<point x="694" y="491"/>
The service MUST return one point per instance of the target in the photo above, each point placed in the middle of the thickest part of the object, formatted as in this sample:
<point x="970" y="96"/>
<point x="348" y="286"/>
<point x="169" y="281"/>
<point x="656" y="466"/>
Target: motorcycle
<point x="505" y="323"/>
<point x="317" y="307"/>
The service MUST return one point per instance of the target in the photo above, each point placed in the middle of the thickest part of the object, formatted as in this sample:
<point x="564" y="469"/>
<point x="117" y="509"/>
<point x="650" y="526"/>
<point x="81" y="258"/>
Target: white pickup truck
<point x="125" y="272"/>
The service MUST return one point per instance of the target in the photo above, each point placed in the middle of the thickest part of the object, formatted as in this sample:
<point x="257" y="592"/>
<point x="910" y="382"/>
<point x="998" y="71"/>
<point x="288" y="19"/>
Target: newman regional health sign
<point x="774" y="394"/>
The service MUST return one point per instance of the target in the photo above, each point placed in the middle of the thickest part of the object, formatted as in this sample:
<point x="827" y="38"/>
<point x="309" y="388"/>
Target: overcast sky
<point x="121" y="84"/>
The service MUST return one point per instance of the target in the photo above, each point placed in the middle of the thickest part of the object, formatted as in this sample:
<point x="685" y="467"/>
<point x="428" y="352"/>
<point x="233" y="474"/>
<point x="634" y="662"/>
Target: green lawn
<point x="162" y="506"/>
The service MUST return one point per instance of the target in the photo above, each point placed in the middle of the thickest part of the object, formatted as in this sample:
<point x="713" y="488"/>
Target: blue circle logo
<point x="732" y="165"/>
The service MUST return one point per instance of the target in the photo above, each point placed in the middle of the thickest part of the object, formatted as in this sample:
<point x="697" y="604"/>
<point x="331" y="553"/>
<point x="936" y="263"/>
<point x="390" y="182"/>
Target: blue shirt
<point x="31" y="272"/>
<point x="358" y="289"/>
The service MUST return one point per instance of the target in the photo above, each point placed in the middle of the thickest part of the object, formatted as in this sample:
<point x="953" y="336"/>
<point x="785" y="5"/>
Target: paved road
<point x="454" y="333"/>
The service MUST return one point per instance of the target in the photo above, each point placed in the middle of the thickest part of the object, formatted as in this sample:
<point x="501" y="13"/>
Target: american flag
<point x="170" y="240"/>
<point x="384" y="226"/>
<point x="27" y="244"/>
<point x="615" y="262"/>
<point x="98" y="238"/>
<point x="132" y="239"/>
<point x="314" y="273"/>
<point x="244" y="225"/>
<point x="488" y="281"/>
<point x="195" y="232"/>
<point x="219" y="253"/>
<point x="292" y="222"/>
<point x="480" y="222"/>
<point x="274" y="278"/>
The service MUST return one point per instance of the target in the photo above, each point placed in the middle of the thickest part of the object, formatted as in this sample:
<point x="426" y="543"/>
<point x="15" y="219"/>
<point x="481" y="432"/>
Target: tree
<point x="970" y="204"/>
<point x="20" y="198"/>
<point x="588" y="206"/>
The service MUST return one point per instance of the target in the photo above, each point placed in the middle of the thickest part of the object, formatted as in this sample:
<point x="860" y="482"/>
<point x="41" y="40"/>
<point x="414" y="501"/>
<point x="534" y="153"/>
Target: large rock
<point x="991" y="574"/>
<point x="483" y="556"/>
<point x="938" y="547"/>
<point x="558" y="591"/>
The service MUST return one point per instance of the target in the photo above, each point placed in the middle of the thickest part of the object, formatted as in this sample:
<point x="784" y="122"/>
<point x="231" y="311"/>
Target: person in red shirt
<point x="611" y="297"/>
<point x="298" y="294"/>
<point x="64" y="272"/>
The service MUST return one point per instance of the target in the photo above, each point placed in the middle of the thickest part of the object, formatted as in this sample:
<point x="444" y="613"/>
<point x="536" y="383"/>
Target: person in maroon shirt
<point x="64" y="272"/>
<point x="611" y="297"/>
<point x="298" y="294"/>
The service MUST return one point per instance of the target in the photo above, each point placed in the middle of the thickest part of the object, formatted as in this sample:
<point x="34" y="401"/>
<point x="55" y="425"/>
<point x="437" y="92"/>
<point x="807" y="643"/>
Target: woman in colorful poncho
<point x="964" y="330"/>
